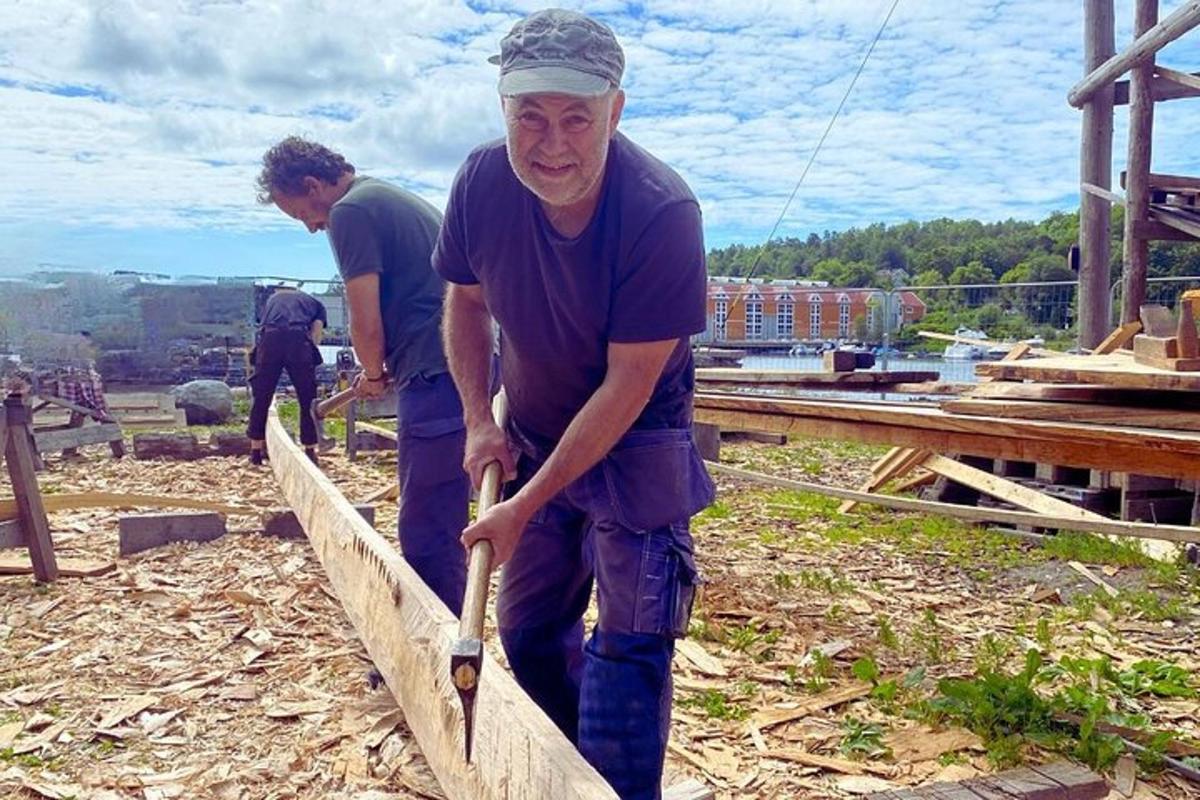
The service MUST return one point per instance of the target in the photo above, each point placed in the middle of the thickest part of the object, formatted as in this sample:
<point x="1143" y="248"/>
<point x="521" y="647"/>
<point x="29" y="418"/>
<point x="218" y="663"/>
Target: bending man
<point x="382" y="237"/>
<point x="288" y="335"/>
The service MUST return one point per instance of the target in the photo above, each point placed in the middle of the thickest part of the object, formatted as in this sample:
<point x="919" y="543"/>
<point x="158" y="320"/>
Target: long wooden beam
<point x="1179" y="22"/>
<point x="1138" y="450"/>
<point x="70" y="502"/>
<point x="1114" y="371"/>
<point x="1140" y="530"/>
<point x="1006" y="490"/>
<point x="1169" y="419"/>
<point x="830" y="380"/>
<point x="518" y="753"/>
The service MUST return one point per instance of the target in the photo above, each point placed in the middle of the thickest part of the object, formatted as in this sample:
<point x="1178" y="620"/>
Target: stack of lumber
<point x="1175" y="202"/>
<point x="1080" y="402"/>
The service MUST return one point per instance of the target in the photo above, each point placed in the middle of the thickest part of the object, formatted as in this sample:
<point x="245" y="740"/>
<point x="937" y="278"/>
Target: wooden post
<point x="31" y="514"/>
<point x="1137" y="181"/>
<point x="1095" y="161"/>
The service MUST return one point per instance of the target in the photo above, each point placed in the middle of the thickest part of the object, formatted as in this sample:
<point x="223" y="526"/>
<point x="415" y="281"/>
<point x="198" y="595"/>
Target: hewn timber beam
<point x="1139" y="530"/>
<point x="70" y="502"/>
<point x="1136" y="450"/>
<point x="518" y="753"/>
<point x="1179" y="22"/>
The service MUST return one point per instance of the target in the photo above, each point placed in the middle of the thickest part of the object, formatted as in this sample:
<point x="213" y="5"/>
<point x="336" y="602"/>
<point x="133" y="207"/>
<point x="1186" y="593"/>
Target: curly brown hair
<point x="287" y="164"/>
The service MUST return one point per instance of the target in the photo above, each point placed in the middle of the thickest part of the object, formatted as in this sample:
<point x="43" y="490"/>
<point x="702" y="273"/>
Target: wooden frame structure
<point x="75" y="433"/>
<point x="1146" y="217"/>
<point x="29" y="528"/>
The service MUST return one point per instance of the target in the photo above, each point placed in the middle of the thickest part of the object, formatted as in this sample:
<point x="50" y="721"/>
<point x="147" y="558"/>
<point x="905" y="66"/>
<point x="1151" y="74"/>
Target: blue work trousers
<point x="624" y="527"/>
<point x="434" y="488"/>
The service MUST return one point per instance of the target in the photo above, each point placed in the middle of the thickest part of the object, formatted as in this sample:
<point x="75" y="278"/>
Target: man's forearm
<point x="317" y="331"/>
<point x="603" y="420"/>
<point x="467" y="336"/>
<point x="368" y="346"/>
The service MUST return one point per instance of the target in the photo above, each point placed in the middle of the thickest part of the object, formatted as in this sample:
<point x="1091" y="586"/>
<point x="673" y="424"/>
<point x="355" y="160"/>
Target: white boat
<point x="961" y="351"/>
<point x="966" y="351"/>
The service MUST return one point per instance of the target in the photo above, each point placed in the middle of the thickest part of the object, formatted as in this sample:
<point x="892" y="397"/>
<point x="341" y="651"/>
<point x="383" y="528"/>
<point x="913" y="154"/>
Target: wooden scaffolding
<point x="1157" y="207"/>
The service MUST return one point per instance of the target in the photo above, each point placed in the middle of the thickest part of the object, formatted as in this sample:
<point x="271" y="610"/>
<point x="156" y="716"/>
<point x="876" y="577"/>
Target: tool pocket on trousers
<point x="656" y="478"/>
<point x="431" y="451"/>
<point x="666" y="583"/>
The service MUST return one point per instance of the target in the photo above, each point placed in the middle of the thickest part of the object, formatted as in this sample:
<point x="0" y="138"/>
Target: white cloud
<point x="143" y="113"/>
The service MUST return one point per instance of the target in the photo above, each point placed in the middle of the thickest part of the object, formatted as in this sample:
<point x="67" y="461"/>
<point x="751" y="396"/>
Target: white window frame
<point x="843" y="316"/>
<point x="720" y="316"/>
<point x="754" y="316"/>
<point x="786" y="318"/>
<point x="814" y="316"/>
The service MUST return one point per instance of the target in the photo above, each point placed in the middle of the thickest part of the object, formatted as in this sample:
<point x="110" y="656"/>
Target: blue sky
<point x="131" y="130"/>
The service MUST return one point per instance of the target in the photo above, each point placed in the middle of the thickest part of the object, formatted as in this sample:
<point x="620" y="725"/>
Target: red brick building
<point x="799" y="311"/>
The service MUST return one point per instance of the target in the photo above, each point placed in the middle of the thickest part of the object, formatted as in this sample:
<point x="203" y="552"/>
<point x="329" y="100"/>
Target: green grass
<point x="716" y="705"/>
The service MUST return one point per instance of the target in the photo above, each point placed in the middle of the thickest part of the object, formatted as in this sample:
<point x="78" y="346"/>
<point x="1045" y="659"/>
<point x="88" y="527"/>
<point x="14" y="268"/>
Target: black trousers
<point x="279" y="350"/>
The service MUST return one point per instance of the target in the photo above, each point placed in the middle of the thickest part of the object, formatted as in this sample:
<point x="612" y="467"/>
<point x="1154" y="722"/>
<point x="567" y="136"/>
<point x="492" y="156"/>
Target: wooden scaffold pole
<point x="1096" y="169"/>
<point x="1137" y="182"/>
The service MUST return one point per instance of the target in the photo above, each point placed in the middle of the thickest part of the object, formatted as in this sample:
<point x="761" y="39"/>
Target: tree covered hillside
<point x="942" y="251"/>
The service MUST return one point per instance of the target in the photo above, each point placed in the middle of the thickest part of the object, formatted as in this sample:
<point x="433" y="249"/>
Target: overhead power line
<point x="820" y="142"/>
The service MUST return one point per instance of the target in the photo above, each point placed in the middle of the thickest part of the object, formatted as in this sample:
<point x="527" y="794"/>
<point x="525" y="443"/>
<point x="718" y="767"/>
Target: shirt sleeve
<point x="450" y="254"/>
<point x="660" y="293"/>
<point x="354" y="240"/>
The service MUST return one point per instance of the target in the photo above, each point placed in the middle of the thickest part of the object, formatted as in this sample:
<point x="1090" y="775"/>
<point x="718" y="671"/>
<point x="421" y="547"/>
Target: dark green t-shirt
<point x="377" y="227"/>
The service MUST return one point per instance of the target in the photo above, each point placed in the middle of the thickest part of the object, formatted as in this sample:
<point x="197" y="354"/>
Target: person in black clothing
<point x="291" y="327"/>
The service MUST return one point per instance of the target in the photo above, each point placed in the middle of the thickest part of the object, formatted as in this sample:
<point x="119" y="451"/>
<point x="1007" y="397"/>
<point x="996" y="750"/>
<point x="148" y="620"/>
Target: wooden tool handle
<point x="479" y="564"/>
<point x="335" y="403"/>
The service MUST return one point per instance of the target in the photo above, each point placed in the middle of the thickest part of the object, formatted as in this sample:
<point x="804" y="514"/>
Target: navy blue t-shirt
<point x="292" y="308"/>
<point x="635" y="274"/>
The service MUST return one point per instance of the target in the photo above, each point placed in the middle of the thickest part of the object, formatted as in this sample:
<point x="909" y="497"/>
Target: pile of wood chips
<point x="222" y="670"/>
<point x="228" y="670"/>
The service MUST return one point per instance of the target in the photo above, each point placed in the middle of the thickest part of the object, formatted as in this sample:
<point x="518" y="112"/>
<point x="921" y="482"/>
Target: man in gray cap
<point x="588" y="253"/>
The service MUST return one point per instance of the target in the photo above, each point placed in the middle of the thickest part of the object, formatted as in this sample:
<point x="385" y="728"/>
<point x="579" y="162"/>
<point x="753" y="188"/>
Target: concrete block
<point x="138" y="532"/>
<point x="283" y="524"/>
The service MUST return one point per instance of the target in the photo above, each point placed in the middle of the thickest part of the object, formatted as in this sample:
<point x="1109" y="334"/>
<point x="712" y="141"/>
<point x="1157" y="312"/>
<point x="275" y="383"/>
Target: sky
<point x="131" y="131"/>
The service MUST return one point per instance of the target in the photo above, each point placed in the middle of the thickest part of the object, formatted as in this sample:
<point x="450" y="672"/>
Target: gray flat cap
<point x="556" y="51"/>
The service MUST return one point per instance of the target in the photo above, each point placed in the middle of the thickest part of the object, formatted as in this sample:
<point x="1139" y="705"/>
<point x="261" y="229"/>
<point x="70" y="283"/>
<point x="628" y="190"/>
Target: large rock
<point x="204" y="402"/>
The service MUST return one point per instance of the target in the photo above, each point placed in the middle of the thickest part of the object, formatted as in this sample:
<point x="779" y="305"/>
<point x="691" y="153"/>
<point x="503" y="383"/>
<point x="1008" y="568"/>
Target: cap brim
<point x="553" y="80"/>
